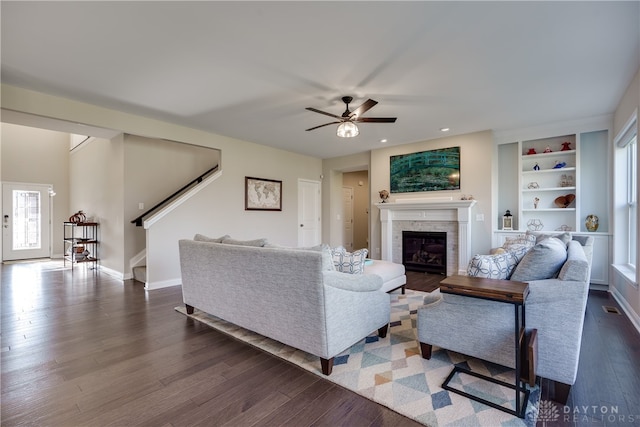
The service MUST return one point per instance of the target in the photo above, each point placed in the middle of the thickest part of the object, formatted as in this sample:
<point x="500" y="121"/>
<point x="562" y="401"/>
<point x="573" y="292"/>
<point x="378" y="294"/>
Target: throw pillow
<point x="576" y="267"/>
<point x="540" y="236"/>
<point x="543" y="261"/>
<point x="203" y="238"/>
<point x="347" y="262"/>
<point x="256" y="242"/>
<point x="499" y="266"/>
<point x="527" y="240"/>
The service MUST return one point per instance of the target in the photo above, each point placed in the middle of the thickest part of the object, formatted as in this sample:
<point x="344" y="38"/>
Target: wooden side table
<point x="511" y="292"/>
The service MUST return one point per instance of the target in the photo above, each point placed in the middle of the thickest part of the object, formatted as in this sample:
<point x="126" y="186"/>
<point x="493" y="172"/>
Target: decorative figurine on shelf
<point x="507" y="221"/>
<point x="533" y="185"/>
<point x="560" y="165"/>
<point x="535" y="224"/>
<point x="592" y="222"/>
<point x="547" y="149"/>
<point x="564" y="227"/>
<point x="78" y="217"/>
<point x="384" y="195"/>
<point x="532" y="151"/>
<point x="566" y="146"/>
<point x="535" y="202"/>
<point x="536" y="167"/>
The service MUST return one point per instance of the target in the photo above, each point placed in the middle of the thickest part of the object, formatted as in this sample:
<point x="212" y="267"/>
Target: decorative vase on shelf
<point x="591" y="222"/>
<point x="384" y="195"/>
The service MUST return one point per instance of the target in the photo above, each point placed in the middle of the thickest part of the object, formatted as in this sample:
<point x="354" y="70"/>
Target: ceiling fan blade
<point x="376" y="120"/>
<point x="315" y="110"/>
<point x="326" y="124"/>
<point x="368" y="104"/>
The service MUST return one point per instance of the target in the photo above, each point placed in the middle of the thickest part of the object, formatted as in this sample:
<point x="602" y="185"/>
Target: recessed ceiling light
<point x="383" y="140"/>
<point x="444" y="129"/>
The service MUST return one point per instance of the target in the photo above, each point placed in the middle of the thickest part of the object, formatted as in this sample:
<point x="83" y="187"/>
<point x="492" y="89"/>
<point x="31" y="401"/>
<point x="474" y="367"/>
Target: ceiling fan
<point x="347" y="121"/>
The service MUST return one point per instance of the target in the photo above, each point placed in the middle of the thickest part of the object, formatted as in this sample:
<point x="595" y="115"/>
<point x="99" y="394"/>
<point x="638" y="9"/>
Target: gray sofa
<point x="484" y="329"/>
<point x="290" y="295"/>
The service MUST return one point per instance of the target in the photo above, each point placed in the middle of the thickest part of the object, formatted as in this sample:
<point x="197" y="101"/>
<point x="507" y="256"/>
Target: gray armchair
<point x="484" y="329"/>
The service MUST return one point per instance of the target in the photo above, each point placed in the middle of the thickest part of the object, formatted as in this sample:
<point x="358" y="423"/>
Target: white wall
<point x="39" y="156"/>
<point x="476" y="157"/>
<point x="97" y="188"/>
<point x="627" y="293"/>
<point x="219" y="208"/>
<point x="154" y="169"/>
<point x="223" y="212"/>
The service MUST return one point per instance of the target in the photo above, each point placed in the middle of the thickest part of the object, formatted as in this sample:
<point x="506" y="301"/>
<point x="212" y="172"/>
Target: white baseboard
<point x="113" y="273"/>
<point x="162" y="284"/>
<point x="632" y="315"/>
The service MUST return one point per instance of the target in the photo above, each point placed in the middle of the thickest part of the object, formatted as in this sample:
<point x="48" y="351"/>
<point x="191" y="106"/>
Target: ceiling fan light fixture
<point x="347" y="130"/>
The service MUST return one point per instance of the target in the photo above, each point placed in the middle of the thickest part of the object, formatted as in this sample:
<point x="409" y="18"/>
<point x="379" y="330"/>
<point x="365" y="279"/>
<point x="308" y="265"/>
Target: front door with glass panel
<point x="25" y="221"/>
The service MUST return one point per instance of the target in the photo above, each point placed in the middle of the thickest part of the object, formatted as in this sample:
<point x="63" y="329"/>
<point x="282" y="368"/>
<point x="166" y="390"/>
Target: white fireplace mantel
<point x="458" y="211"/>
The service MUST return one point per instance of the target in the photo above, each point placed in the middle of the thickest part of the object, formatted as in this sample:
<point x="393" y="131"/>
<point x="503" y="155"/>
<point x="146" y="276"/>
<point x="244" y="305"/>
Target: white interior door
<point x="26" y="221"/>
<point x="309" y="209"/>
<point x="347" y="216"/>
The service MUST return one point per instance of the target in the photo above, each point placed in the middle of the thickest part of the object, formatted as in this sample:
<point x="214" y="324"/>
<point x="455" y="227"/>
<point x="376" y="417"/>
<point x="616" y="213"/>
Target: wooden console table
<point x="511" y="292"/>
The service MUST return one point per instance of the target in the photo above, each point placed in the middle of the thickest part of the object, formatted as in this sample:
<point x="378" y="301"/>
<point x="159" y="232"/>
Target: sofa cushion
<point x="576" y="267"/>
<point x="543" y="261"/>
<point x="349" y="262"/>
<point x="498" y="266"/>
<point x="203" y="238"/>
<point x="385" y="269"/>
<point x="540" y="236"/>
<point x="256" y="242"/>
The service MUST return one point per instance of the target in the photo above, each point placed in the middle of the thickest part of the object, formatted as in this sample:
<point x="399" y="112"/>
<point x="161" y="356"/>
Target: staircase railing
<point x="138" y="220"/>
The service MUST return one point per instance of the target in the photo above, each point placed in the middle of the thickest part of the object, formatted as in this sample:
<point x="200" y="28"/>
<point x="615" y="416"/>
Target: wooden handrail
<point x="138" y="220"/>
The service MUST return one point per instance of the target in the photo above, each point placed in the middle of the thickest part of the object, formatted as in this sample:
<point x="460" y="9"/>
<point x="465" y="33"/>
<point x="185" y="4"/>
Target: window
<point x="626" y="199"/>
<point x="632" y="200"/>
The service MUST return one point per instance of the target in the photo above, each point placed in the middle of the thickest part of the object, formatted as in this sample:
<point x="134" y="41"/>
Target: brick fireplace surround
<point x="428" y="214"/>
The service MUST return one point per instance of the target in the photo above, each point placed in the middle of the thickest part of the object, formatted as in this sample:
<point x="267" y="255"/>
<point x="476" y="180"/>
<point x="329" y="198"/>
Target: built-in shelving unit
<point x="530" y="180"/>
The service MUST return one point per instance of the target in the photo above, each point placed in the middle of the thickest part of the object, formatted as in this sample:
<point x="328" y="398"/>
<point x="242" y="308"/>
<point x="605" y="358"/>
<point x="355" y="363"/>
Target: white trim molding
<point x="442" y="209"/>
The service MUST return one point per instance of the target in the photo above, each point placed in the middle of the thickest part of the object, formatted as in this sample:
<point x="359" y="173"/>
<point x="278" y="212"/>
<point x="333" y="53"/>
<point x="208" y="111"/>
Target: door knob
<point x="301" y="225"/>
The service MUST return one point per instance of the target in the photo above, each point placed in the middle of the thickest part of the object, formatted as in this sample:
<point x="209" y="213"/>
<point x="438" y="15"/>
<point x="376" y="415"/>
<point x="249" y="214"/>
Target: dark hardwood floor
<point x="84" y="349"/>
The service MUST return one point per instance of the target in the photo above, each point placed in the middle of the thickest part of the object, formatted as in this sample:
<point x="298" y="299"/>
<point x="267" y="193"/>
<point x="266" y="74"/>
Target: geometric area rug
<point x="392" y="372"/>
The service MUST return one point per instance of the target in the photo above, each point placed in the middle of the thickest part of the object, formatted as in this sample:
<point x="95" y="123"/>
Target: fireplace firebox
<point x="425" y="251"/>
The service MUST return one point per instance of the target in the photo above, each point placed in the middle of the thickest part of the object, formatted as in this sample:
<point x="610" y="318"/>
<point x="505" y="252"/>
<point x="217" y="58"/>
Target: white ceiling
<point x="248" y="69"/>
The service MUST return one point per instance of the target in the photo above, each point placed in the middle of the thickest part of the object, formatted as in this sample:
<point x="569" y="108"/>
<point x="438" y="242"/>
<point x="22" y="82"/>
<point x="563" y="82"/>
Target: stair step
<point x="140" y="273"/>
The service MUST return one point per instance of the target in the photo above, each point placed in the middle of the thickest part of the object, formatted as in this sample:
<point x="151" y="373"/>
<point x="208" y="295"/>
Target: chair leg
<point x="426" y="349"/>
<point x="382" y="332"/>
<point x="559" y="392"/>
<point x="327" y="366"/>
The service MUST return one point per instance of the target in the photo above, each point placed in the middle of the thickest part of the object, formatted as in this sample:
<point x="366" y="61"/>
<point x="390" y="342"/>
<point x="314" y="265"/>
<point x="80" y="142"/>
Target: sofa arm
<point x="352" y="282"/>
<point x="576" y="267"/>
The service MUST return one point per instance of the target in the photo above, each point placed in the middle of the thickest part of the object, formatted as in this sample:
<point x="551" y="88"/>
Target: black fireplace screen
<point x="425" y="251"/>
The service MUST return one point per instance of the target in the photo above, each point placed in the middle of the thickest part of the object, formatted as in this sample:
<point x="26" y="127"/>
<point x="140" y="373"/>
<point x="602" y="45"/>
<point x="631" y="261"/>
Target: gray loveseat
<point x="484" y="329"/>
<point x="290" y="295"/>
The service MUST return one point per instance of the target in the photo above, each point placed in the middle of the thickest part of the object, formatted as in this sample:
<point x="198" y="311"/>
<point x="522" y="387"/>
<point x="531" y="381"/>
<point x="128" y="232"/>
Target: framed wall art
<point x="432" y="170"/>
<point x="262" y="194"/>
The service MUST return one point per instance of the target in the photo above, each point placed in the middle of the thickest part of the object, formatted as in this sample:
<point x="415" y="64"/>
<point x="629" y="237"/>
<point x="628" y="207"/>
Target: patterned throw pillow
<point x="499" y="266"/>
<point x="349" y="262"/>
<point x="518" y="245"/>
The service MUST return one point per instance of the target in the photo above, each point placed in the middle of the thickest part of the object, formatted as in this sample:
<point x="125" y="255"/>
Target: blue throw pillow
<point x="543" y="261"/>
